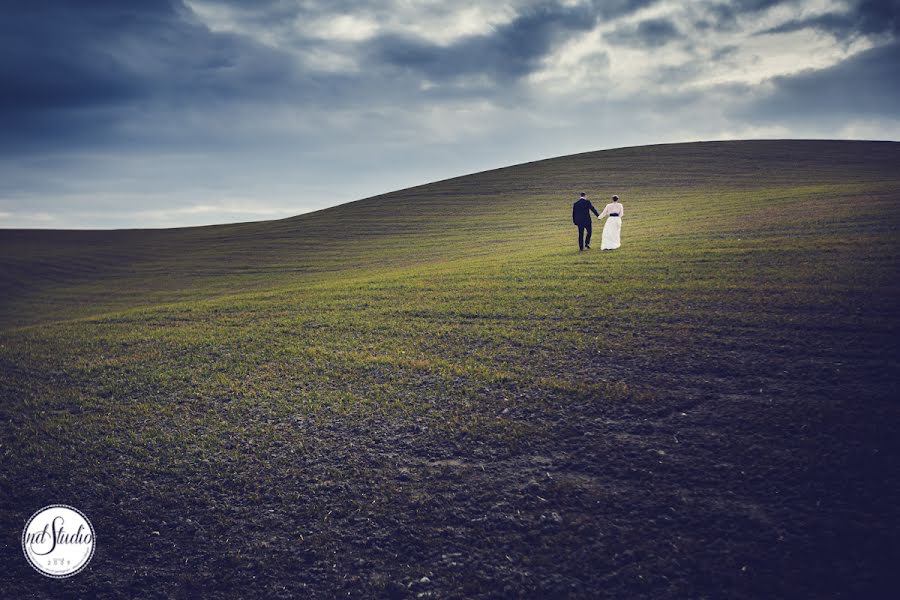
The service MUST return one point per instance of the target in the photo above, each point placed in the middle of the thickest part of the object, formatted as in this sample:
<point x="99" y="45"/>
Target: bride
<point x="613" y="229"/>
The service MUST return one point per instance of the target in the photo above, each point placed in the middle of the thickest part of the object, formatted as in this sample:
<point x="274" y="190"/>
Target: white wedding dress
<point x="612" y="230"/>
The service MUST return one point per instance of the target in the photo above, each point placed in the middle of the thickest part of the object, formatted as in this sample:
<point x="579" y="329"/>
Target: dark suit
<point x="581" y="216"/>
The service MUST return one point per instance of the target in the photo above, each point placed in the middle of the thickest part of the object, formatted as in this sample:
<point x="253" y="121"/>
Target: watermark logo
<point x="58" y="541"/>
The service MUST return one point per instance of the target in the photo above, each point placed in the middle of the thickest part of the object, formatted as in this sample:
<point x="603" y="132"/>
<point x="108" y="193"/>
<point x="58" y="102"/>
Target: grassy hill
<point x="436" y="384"/>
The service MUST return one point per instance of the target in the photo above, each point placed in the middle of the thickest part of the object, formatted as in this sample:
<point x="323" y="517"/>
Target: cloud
<point x="101" y="74"/>
<point x="87" y="73"/>
<point x="729" y="15"/>
<point x="651" y="33"/>
<point x="864" y="86"/>
<point x="144" y="111"/>
<point x="865" y="17"/>
<point x="510" y="52"/>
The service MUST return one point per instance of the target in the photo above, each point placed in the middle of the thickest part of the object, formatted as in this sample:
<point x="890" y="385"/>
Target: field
<point x="433" y="394"/>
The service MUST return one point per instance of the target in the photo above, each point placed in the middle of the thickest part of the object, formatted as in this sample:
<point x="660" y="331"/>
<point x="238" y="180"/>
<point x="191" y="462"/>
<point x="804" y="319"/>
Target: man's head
<point x="582" y="194"/>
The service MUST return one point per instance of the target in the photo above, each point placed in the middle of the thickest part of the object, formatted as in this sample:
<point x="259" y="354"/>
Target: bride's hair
<point x="615" y="198"/>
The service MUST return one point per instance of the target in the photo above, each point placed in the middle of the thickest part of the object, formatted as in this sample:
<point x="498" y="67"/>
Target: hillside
<point x="60" y="274"/>
<point x="433" y="392"/>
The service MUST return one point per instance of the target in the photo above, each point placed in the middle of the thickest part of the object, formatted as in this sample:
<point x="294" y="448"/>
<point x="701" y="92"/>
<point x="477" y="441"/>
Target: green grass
<point x="212" y="363"/>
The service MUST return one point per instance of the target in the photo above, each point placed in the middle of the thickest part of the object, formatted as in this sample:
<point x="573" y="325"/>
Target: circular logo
<point x="58" y="541"/>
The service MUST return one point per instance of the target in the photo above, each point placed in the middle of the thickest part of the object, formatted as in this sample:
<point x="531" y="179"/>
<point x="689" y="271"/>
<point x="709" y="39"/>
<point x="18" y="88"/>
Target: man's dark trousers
<point x="584" y="235"/>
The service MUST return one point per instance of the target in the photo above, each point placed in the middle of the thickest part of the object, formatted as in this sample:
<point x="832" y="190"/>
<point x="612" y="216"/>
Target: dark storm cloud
<point x="725" y="15"/>
<point x="510" y="51"/>
<point x="53" y="55"/>
<point x="863" y="18"/>
<point x="864" y="86"/>
<point x="93" y="71"/>
<point x="651" y="33"/>
<point x="272" y="12"/>
<point x="72" y="71"/>
<point x="183" y="103"/>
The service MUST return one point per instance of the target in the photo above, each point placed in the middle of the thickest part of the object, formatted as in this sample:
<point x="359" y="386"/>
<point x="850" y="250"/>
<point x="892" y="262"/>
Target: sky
<point x="155" y="113"/>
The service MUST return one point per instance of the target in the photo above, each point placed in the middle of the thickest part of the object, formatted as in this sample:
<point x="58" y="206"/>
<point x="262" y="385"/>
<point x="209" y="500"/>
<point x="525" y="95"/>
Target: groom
<point x="581" y="216"/>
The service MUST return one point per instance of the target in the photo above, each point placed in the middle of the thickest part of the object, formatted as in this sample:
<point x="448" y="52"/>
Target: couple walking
<point x="581" y="216"/>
